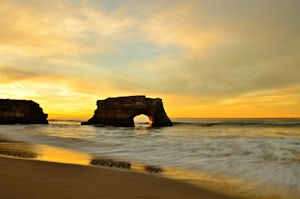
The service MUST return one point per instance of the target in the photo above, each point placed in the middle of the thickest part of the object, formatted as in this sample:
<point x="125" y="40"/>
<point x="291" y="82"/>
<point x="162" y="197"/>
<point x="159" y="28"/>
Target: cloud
<point x="59" y="28"/>
<point x="59" y="38"/>
<point x="198" y="51"/>
<point x="11" y="73"/>
<point x="227" y="48"/>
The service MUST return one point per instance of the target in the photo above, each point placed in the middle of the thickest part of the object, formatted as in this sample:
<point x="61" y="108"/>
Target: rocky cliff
<point x="21" y="112"/>
<point x="120" y="111"/>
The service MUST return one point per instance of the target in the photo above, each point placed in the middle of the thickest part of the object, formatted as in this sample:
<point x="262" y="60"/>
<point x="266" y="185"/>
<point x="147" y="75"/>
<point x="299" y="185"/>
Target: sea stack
<point x="21" y="112"/>
<point x="120" y="111"/>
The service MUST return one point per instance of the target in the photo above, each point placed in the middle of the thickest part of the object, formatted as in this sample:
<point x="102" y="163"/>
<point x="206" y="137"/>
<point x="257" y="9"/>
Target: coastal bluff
<point x="21" y="112"/>
<point x="120" y="111"/>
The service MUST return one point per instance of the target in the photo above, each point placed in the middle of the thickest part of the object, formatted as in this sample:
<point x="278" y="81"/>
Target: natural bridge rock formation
<point x="120" y="111"/>
<point x="21" y="112"/>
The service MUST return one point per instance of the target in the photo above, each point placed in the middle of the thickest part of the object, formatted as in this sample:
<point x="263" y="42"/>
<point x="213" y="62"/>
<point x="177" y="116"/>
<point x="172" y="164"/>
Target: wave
<point x="248" y="124"/>
<point x="66" y="120"/>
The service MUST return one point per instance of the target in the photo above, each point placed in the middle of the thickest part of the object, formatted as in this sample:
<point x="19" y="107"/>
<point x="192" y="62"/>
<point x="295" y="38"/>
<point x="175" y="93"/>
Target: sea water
<point x="264" y="150"/>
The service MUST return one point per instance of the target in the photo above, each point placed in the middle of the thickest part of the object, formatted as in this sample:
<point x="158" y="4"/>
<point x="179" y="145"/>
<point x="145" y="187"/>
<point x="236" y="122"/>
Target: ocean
<point x="261" y="150"/>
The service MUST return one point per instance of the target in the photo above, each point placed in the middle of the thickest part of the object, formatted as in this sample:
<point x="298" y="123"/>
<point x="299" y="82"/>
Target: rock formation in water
<point x="120" y="111"/>
<point x="21" y="112"/>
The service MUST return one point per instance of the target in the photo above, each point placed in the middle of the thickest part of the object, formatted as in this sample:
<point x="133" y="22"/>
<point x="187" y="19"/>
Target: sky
<point x="204" y="58"/>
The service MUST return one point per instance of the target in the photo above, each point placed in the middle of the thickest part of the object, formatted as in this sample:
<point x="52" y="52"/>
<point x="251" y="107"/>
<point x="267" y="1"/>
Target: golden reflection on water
<point x="55" y="154"/>
<point x="137" y="167"/>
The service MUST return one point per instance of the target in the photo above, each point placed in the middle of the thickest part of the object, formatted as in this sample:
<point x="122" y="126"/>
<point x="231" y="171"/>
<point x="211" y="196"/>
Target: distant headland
<point x="120" y="111"/>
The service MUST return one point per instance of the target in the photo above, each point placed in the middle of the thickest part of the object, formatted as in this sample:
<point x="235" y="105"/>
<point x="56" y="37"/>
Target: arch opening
<point x="142" y="121"/>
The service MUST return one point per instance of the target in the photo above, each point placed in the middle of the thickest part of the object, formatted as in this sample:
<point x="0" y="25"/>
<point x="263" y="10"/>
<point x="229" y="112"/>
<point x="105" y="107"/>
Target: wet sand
<point x="42" y="180"/>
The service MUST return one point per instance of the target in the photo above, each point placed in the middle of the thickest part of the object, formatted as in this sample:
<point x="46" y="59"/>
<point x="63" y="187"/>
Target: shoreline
<point x="211" y="184"/>
<point x="30" y="177"/>
<point x="39" y="179"/>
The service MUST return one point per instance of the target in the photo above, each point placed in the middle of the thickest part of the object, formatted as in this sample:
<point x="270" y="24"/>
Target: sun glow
<point x="143" y="120"/>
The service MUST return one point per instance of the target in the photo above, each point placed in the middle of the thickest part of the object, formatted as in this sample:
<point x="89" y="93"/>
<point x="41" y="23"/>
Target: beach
<point x="193" y="159"/>
<point x="44" y="180"/>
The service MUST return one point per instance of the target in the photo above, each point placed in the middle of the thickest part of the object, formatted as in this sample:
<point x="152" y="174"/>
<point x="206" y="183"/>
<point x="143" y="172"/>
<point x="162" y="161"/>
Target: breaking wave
<point x="262" y="123"/>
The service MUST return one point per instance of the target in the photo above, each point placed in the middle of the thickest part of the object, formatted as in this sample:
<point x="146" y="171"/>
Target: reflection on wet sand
<point x="16" y="149"/>
<point x="55" y="154"/>
<point x="67" y="156"/>
<point x="42" y="152"/>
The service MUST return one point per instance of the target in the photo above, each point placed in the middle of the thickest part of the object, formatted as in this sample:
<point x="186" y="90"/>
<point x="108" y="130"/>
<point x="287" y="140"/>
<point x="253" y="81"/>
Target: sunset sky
<point x="204" y="58"/>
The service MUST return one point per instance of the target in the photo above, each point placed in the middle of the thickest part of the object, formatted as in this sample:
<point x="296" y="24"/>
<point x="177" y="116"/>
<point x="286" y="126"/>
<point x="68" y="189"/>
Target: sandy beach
<point x="39" y="179"/>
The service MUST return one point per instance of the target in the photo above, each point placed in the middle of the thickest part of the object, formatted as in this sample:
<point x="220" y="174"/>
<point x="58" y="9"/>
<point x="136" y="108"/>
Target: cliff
<point x="120" y="111"/>
<point x="21" y="112"/>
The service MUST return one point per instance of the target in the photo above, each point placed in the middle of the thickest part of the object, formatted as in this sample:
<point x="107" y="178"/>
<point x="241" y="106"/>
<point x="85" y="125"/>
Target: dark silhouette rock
<point x="110" y="163"/>
<point x="120" y="111"/>
<point x="21" y="112"/>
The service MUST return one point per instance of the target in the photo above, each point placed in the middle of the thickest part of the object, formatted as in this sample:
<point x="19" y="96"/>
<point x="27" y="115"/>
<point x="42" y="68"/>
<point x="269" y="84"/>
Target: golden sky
<point x="204" y="58"/>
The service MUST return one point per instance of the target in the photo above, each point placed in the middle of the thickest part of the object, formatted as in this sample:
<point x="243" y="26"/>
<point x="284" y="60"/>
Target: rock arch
<point x="120" y="111"/>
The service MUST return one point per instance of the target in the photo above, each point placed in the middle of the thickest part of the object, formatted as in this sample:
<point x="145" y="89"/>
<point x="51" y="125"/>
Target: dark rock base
<point x="21" y="112"/>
